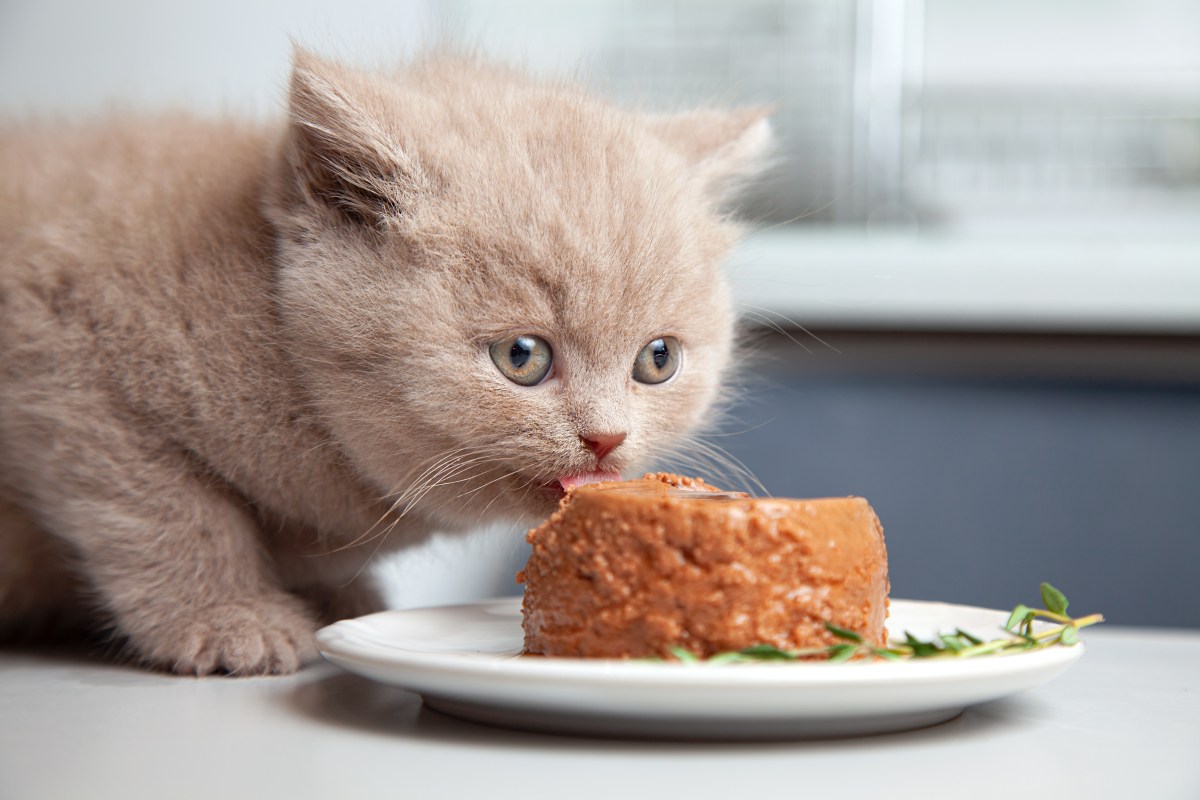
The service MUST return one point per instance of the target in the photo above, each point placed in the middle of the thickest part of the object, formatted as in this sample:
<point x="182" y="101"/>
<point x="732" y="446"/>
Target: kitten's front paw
<point x="259" y="637"/>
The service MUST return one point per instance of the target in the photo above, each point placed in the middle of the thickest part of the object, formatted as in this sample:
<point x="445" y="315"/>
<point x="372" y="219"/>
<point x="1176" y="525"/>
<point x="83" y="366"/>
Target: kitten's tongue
<point x="571" y="481"/>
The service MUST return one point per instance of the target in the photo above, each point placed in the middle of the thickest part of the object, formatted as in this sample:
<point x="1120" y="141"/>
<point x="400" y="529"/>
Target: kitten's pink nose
<point x="602" y="443"/>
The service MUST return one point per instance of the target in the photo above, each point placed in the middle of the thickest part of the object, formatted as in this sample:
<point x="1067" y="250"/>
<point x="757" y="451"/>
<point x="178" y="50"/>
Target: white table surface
<point x="1123" y="722"/>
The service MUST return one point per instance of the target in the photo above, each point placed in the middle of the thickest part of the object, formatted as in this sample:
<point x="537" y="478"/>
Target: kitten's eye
<point x="524" y="359"/>
<point x="657" y="361"/>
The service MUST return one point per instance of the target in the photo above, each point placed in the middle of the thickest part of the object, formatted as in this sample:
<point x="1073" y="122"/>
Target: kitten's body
<point x="140" y="351"/>
<point x="226" y="349"/>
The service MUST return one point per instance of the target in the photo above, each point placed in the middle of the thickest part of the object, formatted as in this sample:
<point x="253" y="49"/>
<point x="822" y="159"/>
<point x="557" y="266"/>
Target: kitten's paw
<point x="259" y="637"/>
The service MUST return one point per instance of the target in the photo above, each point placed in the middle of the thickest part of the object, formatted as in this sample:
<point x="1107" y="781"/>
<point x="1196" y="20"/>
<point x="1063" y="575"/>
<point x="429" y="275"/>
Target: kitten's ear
<point x="723" y="147"/>
<point x="342" y="155"/>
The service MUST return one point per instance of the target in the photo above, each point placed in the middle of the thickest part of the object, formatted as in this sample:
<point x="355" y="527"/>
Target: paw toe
<point x="238" y="639"/>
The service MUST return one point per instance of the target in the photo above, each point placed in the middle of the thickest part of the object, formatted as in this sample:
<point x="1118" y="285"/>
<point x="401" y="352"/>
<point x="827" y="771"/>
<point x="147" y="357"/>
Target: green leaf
<point x="952" y="642"/>
<point x="841" y="652"/>
<point x="762" y="650"/>
<point x="921" y="649"/>
<point x="1019" y="612"/>
<point x="842" y="633"/>
<point x="968" y="637"/>
<point x="684" y="655"/>
<point x="959" y="643"/>
<point x="766" y="652"/>
<point x="1053" y="599"/>
<point x="1027" y="637"/>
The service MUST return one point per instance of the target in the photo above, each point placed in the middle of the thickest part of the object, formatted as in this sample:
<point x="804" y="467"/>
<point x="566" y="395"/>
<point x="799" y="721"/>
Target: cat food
<point x="631" y="569"/>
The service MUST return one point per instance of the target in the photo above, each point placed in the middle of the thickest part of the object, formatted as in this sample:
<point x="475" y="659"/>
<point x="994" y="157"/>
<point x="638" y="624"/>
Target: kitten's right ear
<point x="342" y="155"/>
<point x="724" y="148"/>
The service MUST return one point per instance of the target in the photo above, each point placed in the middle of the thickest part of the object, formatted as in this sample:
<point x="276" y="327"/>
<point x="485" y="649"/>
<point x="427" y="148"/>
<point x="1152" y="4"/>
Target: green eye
<point x="524" y="359"/>
<point x="657" y="361"/>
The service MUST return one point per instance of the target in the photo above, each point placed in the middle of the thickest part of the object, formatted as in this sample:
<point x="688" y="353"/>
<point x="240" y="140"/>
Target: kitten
<point x="237" y="359"/>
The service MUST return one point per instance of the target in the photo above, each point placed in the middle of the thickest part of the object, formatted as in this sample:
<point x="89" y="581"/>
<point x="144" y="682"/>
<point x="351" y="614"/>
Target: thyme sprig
<point x="1020" y="636"/>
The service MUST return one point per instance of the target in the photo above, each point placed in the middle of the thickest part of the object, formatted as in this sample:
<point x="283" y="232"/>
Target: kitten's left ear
<point x="724" y="148"/>
<point x="343" y="156"/>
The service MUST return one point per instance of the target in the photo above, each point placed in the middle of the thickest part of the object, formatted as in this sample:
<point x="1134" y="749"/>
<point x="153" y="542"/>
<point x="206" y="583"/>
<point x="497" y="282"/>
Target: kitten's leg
<point x="337" y="582"/>
<point x="178" y="563"/>
<point x="354" y="599"/>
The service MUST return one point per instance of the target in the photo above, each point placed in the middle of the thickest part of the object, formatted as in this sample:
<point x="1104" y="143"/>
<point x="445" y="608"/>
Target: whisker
<point x="773" y="325"/>
<point x="529" y="482"/>
<point x="489" y="483"/>
<point x="751" y="429"/>
<point x="691" y="451"/>
<point x="809" y="211"/>
<point x="722" y="456"/>
<point x="436" y="475"/>
<point x="764" y="311"/>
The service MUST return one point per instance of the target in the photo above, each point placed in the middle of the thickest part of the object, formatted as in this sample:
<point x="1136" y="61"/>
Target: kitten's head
<point x="495" y="286"/>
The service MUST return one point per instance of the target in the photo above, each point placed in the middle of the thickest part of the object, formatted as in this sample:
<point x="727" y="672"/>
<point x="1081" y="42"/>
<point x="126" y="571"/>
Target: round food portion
<point x="631" y="569"/>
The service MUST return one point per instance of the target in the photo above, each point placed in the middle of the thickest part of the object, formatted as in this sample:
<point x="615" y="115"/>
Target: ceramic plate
<point x="465" y="660"/>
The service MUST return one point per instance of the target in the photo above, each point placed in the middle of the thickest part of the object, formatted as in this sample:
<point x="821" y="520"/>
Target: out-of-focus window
<point x="936" y="112"/>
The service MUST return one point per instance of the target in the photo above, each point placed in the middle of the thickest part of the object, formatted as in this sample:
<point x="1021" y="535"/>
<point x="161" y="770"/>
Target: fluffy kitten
<point x="235" y="359"/>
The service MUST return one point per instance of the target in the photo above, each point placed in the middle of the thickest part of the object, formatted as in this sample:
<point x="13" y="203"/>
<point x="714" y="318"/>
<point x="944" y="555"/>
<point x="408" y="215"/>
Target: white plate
<point x="464" y="660"/>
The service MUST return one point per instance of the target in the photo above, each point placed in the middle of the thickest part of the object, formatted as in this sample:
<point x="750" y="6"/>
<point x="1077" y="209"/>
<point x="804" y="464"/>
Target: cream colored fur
<point x="236" y="359"/>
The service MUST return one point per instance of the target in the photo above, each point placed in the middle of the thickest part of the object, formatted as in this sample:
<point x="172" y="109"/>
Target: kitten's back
<point x="121" y="182"/>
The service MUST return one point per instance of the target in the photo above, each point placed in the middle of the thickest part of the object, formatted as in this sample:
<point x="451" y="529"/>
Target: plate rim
<point x="338" y="643"/>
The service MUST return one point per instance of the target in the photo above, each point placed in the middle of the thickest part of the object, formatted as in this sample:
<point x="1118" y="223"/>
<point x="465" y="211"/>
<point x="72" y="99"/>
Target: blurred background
<point x="973" y="280"/>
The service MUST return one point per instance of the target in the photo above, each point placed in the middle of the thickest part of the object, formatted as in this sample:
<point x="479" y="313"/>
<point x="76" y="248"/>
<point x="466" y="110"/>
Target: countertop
<point x="1103" y="282"/>
<point x="1123" y="722"/>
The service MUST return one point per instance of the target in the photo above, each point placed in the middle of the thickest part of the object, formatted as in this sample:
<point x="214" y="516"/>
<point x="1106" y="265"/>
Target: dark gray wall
<point x="997" y="462"/>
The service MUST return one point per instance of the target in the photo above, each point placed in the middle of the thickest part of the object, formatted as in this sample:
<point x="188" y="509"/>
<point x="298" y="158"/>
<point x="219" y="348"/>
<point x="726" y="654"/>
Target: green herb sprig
<point x="1019" y="636"/>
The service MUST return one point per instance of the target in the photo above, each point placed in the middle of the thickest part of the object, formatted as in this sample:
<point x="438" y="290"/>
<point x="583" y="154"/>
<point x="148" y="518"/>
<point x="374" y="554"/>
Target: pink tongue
<point x="569" y="481"/>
